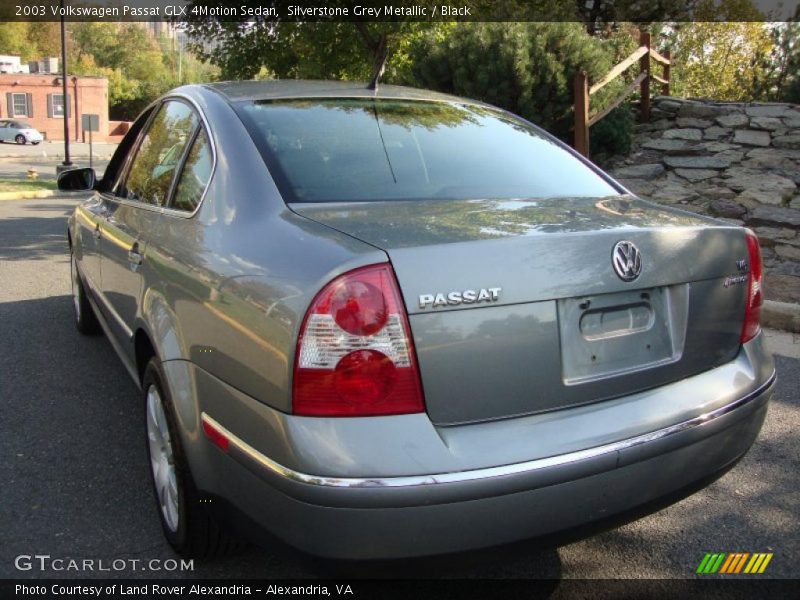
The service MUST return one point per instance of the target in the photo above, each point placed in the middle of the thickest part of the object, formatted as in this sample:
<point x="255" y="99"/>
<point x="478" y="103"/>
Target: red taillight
<point x="354" y="355"/>
<point x="755" y="293"/>
<point x="358" y="307"/>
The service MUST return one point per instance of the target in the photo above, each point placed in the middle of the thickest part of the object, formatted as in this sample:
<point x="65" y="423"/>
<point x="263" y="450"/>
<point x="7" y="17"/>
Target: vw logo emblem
<point x="627" y="260"/>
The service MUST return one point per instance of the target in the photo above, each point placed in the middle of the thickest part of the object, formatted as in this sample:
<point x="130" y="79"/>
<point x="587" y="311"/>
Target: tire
<point x="85" y="319"/>
<point x="20" y="139"/>
<point x="188" y="524"/>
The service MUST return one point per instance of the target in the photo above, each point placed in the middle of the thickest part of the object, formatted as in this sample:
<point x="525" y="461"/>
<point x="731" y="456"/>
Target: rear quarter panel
<point x="229" y="286"/>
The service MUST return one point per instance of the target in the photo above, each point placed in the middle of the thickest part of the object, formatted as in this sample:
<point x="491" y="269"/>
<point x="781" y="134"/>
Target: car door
<point x="4" y="129"/>
<point x="135" y="208"/>
<point x="90" y="216"/>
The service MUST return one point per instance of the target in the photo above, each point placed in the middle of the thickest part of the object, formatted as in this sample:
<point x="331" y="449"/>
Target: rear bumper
<point x="362" y="523"/>
<point x="409" y="515"/>
<point x="440" y="488"/>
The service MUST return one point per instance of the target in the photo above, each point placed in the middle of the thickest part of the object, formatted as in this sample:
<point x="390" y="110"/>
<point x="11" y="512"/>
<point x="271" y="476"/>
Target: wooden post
<point x="665" y="87"/>
<point x="644" y="67"/>
<point x="582" y="113"/>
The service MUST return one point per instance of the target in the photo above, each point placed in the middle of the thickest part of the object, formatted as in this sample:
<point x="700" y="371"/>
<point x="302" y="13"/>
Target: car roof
<point x="243" y="91"/>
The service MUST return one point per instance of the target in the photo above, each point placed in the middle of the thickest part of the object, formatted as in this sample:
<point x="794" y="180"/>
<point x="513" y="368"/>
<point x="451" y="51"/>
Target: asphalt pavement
<point x="75" y="476"/>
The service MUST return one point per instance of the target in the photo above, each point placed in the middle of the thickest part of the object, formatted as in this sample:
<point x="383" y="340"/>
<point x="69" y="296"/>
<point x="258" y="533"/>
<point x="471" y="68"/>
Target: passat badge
<point x="456" y="298"/>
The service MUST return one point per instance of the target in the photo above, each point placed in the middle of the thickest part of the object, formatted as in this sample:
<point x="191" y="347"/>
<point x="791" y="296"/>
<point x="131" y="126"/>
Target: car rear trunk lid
<point x="552" y="324"/>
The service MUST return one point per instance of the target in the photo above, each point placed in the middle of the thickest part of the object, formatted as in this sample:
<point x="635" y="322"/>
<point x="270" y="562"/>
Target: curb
<point x="32" y="195"/>
<point x="781" y="315"/>
<point x="15" y="157"/>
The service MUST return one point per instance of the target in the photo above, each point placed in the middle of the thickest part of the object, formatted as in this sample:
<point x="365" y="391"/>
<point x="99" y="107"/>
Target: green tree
<point x="30" y="40"/>
<point x="329" y="49"/>
<point x="45" y="38"/>
<point x="779" y="79"/>
<point x="14" y="39"/>
<point x="139" y="67"/>
<point x="311" y="50"/>
<point x="128" y="56"/>
<point x="722" y="54"/>
<point x="601" y="16"/>
<point x="527" y="68"/>
<point x="183" y="65"/>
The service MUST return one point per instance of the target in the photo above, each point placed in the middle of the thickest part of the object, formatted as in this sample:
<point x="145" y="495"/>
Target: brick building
<point x="38" y="99"/>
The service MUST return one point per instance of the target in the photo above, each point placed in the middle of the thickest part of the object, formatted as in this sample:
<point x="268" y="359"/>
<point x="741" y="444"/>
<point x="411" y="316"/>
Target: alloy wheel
<point x="162" y="459"/>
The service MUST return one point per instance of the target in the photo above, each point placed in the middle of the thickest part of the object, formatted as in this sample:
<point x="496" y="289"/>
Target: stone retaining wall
<point x="736" y="161"/>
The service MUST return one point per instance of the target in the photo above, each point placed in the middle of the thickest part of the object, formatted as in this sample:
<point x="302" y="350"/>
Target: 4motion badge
<point x="741" y="266"/>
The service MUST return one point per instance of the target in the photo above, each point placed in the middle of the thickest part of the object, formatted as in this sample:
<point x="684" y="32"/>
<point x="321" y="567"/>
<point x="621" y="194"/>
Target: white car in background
<point x="19" y="131"/>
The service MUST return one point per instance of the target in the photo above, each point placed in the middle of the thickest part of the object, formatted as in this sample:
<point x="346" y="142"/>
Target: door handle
<point x="96" y="232"/>
<point x="134" y="257"/>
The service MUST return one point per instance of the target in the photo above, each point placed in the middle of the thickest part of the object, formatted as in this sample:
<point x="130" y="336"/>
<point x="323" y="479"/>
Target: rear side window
<point x="153" y="168"/>
<point x="331" y="150"/>
<point x="195" y="175"/>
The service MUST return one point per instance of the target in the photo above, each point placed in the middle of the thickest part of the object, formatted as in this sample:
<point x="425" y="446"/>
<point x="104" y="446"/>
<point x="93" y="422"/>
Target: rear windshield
<point x="337" y="150"/>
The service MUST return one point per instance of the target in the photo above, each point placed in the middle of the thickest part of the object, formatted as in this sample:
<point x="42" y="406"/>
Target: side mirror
<point x="77" y="180"/>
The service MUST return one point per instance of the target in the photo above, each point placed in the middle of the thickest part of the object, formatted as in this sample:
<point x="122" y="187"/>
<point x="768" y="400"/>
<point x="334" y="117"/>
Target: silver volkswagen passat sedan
<point x="397" y="323"/>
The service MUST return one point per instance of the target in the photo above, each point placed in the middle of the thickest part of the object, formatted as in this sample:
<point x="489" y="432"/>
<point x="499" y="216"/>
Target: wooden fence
<point x="583" y="92"/>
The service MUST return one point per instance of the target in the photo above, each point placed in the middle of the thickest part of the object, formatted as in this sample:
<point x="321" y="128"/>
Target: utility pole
<point x="67" y="162"/>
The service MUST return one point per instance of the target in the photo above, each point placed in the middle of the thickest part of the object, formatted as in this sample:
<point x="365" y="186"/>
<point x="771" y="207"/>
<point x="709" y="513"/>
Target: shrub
<point x="792" y="93"/>
<point x="526" y="68"/>
<point x="612" y="134"/>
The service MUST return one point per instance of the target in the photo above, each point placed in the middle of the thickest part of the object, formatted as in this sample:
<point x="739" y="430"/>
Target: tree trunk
<point x="381" y="55"/>
<point x="378" y="47"/>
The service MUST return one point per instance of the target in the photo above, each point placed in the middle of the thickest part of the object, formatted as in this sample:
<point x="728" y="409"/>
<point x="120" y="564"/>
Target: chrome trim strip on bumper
<point x="485" y="473"/>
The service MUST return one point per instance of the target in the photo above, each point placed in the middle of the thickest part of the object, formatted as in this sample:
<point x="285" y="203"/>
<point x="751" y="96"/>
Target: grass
<point x="26" y="185"/>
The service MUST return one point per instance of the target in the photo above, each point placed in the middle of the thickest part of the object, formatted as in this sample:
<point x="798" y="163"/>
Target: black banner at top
<point x="401" y="10"/>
